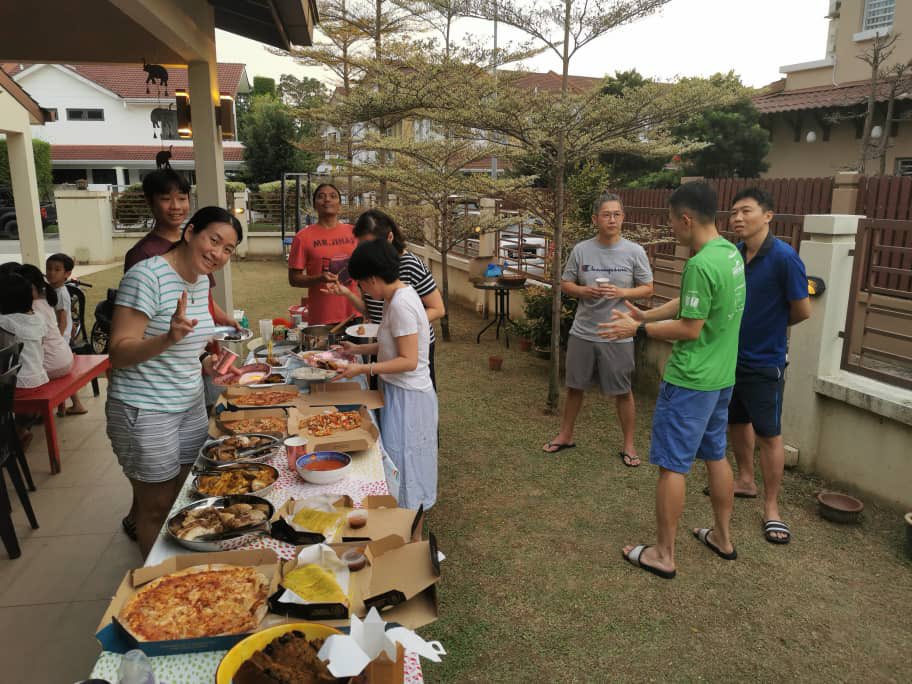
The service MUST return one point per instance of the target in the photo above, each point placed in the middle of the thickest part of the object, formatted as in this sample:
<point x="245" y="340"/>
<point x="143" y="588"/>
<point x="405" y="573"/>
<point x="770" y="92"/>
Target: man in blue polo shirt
<point x="777" y="297"/>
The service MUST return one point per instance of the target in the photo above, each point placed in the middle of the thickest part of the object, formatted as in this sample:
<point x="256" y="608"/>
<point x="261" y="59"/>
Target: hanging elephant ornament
<point x="156" y="75"/>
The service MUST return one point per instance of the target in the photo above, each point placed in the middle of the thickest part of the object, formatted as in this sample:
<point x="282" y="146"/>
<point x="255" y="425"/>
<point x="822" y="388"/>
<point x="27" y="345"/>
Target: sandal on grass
<point x="629" y="460"/>
<point x="635" y="558"/>
<point x="773" y="527"/>
<point x="557" y="447"/>
<point x="702" y="535"/>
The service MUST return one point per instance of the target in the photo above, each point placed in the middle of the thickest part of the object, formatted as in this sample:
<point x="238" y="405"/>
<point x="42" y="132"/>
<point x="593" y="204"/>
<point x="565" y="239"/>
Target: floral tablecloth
<point x="366" y="478"/>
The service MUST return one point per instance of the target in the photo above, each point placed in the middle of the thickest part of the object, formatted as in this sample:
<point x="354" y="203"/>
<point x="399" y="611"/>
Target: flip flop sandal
<point x="635" y="558"/>
<point x="624" y="456"/>
<point x="73" y="412"/>
<point x="702" y="535"/>
<point x="560" y="447"/>
<point x="738" y="495"/>
<point x="771" y="527"/>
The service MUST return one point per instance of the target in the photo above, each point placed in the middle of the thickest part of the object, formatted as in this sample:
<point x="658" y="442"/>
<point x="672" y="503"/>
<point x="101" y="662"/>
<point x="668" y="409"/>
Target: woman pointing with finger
<point x="156" y="409"/>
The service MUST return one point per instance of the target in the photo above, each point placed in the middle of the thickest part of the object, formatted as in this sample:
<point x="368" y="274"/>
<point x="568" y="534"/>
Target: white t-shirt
<point x="57" y="352"/>
<point x="404" y="315"/>
<point x="29" y="329"/>
<point x="63" y="304"/>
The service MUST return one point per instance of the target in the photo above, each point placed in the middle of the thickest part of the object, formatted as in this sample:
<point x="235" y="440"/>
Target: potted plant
<point x="537" y="309"/>
<point x="495" y="362"/>
<point x="523" y="332"/>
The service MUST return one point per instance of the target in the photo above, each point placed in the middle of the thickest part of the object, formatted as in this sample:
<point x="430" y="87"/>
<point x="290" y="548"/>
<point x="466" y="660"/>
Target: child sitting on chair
<point x="59" y="268"/>
<point x="58" y="357"/>
<point x="17" y="317"/>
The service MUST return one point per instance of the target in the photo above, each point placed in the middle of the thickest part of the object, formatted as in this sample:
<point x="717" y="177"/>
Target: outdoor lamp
<point x="876" y="132"/>
<point x="184" y="127"/>
<point x="816" y="286"/>
<point x="226" y="116"/>
<point x="811" y="137"/>
<point x="239" y="210"/>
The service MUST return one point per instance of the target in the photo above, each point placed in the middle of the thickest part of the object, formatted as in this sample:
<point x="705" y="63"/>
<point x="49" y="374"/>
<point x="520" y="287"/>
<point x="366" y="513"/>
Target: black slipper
<point x="771" y="527"/>
<point x="129" y="527"/>
<point x="624" y="456"/>
<point x="560" y="447"/>
<point x="738" y="495"/>
<point x="635" y="558"/>
<point x="702" y="536"/>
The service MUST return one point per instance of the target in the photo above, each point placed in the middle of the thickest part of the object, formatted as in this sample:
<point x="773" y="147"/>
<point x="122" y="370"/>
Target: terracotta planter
<point x="909" y="534"/>
<point x="525" y="344"/>
<point x="839" y="508"/>
<point x="495" y="363"/>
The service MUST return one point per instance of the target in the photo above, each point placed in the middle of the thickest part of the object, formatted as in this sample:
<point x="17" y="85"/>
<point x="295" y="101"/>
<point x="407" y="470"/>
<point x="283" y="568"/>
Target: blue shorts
<point x="757" y="399"/>
<point x="688" y="424"/>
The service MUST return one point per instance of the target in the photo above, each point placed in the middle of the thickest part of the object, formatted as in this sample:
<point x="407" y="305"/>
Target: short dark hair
<point x="65" y="259"/>
<point x="325" y="185"/>
<point x="606" y="197"/>
<point x="206" y="216"/>
<point x="164" y="182"/>
<point x="9" y="267"/>
<point x="696" y="196"/>
<point x="761" y="196"/>
<point x="15" y="294"/>
<point x="380" y="225"/>
<point x="375" y="258"/>
<point x="34" y="275"/>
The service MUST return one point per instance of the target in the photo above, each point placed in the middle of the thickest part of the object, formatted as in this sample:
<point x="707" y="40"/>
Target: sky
<point x="687" y="38"/>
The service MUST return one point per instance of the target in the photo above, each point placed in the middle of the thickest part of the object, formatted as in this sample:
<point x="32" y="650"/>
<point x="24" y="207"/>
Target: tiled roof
<point x="129" y="80"/>
<point x="551" y="81"/>
<point x="775" y="99"/>
<point x="126" y="153"/>
<point x="485" y="165"/>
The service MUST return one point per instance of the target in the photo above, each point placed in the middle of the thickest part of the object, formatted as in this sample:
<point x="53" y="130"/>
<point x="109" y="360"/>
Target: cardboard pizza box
<point x="359" y="439"/>
<point x="113" y="637"/>
<point x="234" y="392"/>
<point x="384" y="518"/>
<point x="342" y="393"/>
<point x="400" y="581"/>
<point x="218" y="424"/>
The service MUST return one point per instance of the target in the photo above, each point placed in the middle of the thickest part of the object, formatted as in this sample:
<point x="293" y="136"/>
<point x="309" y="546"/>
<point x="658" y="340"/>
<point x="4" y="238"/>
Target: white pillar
<point x="86" y="225"/>
<point x="119" y="178"/>
<point x="25" y="197"/>
<point x="239" y="206"/>
<point x="815" y="348"/>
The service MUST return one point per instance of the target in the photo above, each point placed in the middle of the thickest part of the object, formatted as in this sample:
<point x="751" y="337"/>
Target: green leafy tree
<point x="272" y="138"/>
<point x="263" y="85"/>
<point x="41" y="152"/>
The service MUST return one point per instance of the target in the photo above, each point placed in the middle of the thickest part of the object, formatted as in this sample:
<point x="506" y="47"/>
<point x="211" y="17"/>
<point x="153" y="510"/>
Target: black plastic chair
<point x="9" y="357"/>
<point x="10" y="455"/>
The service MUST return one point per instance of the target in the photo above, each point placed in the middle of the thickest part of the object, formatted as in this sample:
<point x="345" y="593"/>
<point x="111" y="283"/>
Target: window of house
<point x="85" y="114"/>
<point x="878" y="14"/>
<point x="68" y="175"/>
<point x="104" y="176"/>
<point x="904" y="167"/>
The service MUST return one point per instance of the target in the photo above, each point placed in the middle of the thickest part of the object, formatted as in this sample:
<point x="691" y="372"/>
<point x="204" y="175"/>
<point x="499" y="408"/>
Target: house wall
<point x="789" y="159"/>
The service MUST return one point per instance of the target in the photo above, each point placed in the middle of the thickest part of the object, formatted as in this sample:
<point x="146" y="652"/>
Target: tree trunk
<point x="557" y="242"/>
<point x="883" y="145"/>
<point x="445" y="294"/>
<point x="869" y="113"/>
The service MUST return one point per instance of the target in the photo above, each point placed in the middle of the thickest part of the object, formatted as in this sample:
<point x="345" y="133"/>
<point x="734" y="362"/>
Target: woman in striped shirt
<point x="374" y="225"/>
<point x="156" y="410"/>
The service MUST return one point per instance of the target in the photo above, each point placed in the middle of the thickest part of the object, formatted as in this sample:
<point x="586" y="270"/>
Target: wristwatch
<point x="642" y="327"/>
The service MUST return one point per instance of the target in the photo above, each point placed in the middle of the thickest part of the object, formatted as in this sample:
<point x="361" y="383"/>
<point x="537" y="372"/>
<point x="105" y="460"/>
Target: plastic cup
<point x="265" y="329"/>
<point x="295" y="447"/>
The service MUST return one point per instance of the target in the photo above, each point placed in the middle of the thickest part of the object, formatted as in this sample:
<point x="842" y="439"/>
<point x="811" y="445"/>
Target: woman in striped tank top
<point x="156" y="410"/>
<point x="376" y="225"/>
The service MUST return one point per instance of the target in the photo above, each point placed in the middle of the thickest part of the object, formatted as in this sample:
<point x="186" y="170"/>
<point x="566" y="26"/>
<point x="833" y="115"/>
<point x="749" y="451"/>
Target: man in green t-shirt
<point x="691" y="412"/>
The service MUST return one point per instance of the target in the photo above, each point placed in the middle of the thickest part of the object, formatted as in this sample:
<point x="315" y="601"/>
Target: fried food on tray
<point x="198" y="522"/>
<point x="266" y="424"/>
<point x="206" y="600"/>
<point x="265" y="398"/>
<point x="288" y="659"/>
<point x="361" y="330"/>
<point x="315" y="584"/>
<point x="228" y="450"/>
<point x="236" y="481"/>
<point x="325" y="424"/>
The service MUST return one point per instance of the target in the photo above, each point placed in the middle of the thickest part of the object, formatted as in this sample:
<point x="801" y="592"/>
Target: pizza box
<point x="359" y="439"/>
<point x="113" y="637"/>
<point x="217" y="424"/>
<point x="400" y="581"/>
<point x="384" y="518"/>
<point x="342" y="394"/>
<point x="235" y="391"/>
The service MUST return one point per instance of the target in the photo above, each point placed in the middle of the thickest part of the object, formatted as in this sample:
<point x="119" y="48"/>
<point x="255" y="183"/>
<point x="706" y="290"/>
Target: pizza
<point x="265" y="398"/>
<point x="267" y="424"/>
<point x="202" y="601"/>
<point x="325" y="424"/>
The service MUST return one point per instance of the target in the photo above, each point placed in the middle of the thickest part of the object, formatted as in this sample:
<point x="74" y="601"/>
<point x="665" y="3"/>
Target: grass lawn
<point x="534" y="587"/>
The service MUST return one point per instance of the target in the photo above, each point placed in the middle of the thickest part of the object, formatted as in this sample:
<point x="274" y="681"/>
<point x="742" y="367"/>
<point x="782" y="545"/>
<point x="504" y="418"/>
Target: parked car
<point x="9" y="226"/>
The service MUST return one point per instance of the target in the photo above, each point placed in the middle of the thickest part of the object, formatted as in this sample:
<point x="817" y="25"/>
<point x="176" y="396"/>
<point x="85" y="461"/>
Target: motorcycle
<point x="101" y="329"/>
<point x="97" y="340"/>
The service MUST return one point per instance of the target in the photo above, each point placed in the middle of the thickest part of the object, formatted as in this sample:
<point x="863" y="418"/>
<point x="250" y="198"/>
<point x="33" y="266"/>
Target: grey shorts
<point x="151" y="445"/>
<point x="611" y="364"/>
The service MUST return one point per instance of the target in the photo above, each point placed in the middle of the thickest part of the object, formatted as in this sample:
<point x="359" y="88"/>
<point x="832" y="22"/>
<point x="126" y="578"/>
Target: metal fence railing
<point x="878" y="334"/>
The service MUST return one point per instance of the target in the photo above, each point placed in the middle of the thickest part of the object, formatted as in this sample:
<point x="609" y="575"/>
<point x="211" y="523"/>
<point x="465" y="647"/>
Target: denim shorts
<point x="688" y="424"/>
<point x="757" y="399"/>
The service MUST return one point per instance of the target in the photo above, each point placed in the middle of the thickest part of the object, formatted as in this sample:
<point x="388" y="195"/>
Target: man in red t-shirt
<point x="319" y="254"/>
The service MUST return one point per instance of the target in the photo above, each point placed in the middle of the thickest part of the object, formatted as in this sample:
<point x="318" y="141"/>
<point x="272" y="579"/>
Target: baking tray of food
<point x="257" y="479"/>
<point x="218" y="523"/>
<point x="246" y="447"/>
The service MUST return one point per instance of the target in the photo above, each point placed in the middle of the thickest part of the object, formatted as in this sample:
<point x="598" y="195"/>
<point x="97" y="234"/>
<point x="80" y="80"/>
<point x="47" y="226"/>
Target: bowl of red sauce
<point x="323" y="467"/>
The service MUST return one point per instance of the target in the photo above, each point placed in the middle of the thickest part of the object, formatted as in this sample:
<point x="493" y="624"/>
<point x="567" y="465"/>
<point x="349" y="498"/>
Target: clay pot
<point x="495" y="363"/>
<point x="839" y="508"/>
<point x="525" y="344"/>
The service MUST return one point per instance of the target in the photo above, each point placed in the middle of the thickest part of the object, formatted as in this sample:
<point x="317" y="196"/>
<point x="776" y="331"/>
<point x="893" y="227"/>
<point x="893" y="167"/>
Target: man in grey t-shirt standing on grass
<point x="602" y="272"/>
